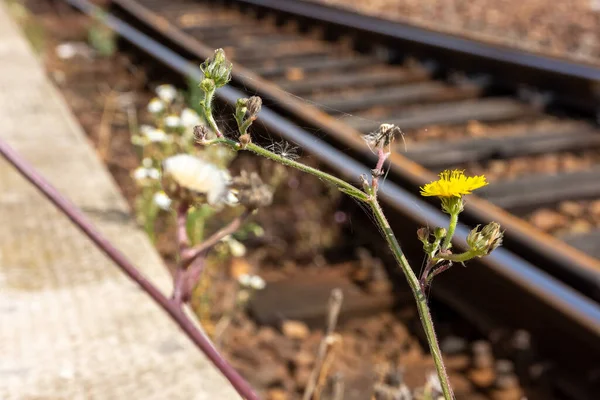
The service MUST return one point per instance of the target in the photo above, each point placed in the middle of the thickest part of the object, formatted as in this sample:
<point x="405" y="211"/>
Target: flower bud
<point x="484" y="241"/>
<point x="207" y="85"/>
<point x="217" y="68"/>
<point x="423" y="234"/>
<point x="254" y="105"/>
<point x="439" y="233"/>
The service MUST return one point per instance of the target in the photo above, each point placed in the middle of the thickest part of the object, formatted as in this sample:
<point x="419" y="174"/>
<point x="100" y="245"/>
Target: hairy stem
<point x="378" y="171"/>
<point x="208" y="116"/>
<point x="339" y="183"/>
<point x="424" y="281"/>
<point x="419" y="295"/>
<point x="450" y="233"/>
<point x="460" y="257"/>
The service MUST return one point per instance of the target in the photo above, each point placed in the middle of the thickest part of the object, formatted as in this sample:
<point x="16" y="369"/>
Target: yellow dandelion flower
<point x="453" y="184"/>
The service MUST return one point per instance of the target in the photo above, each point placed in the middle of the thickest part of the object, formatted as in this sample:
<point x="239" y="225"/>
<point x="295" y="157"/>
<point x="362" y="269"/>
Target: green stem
<point x="245" y="125"/>
<point x="460" y="257"/>
<point x="420" y="298"/>
<point x="451" y="229"/>
<point x="339" y="183"/>
<point x="207" y="108"/>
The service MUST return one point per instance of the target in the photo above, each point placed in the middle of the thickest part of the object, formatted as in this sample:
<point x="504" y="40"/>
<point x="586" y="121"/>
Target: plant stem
<point x="459" y="257"/>
<point x="420" y="298"/>
<point x="378" y="171"/>
<point x="189" y="254"/>
<point x="424" y="281"/>
<point x="451" y="229"/>
<point x="339" y="183"/>
<point x="207" y="108"/>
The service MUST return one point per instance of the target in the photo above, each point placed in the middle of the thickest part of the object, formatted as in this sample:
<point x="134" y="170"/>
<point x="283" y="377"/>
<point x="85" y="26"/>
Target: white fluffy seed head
<point x="189" y="118"/>
<point x="156" y="106"/>
<point x="198" y="176"/>
<point x="166" y="93"/>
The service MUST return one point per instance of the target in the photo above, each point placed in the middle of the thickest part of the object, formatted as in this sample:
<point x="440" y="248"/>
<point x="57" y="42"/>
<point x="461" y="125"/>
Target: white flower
<point x="142" y="173"/>
<point x="166" y="93"/>
<point x="257" y="283"/>
<point x="172" y="121"/>
<point x="189" y="118"/>
<point x="197" y="175"/>
<point x="147" y="162"/>
<point x="144" y="129"/>
<point x="236" y="248"/>
<point x="162" y="200"/>
<point x="251" y="281"/>
<point x="65" y="51"/>
<point x="156" y="106"/>
<point x="156" y="135"/>
<point x="244" y="280"/>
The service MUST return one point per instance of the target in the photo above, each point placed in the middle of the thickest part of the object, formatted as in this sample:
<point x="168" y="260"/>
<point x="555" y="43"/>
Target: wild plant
<point x="450" y="188"/>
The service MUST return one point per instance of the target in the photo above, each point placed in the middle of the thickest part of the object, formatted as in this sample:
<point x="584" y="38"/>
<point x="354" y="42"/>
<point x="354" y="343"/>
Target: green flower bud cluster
<point x="431" y="248"/>
<point x="216" y="69"/>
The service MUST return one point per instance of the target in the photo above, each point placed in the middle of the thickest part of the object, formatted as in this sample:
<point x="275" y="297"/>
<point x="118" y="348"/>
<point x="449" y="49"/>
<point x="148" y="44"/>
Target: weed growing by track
<point x="450" y="188"/>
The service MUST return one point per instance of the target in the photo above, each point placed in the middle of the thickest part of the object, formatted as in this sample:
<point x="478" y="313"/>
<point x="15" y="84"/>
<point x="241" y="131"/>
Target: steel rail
<point x="489" y="292"/>
<point x="552" y="72"/>
<point x="561" y="260"/>
<point x="442" y="40"/>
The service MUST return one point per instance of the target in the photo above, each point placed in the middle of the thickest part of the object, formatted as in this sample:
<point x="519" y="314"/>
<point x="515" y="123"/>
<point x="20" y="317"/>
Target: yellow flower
<point x="453" y="184"/>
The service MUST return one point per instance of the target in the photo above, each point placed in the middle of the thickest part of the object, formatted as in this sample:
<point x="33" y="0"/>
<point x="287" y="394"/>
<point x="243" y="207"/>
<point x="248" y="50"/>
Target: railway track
<point x="450" y="120"/>
<point x="319" y="74"/>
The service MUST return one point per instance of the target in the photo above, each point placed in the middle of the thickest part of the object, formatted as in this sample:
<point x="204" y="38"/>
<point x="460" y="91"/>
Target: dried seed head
<point x="254" y="105"/>
<point x="423" y="235"/>
<point x="201" y="133"/>
<point x="484" y="241"/>
<point x="382" y="137"/>
<point x="252" y="192"/>
<point x="217" y="68"/>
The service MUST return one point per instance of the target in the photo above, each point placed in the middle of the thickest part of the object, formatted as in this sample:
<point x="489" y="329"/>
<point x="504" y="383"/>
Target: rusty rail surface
<point x="493" y="288"/>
